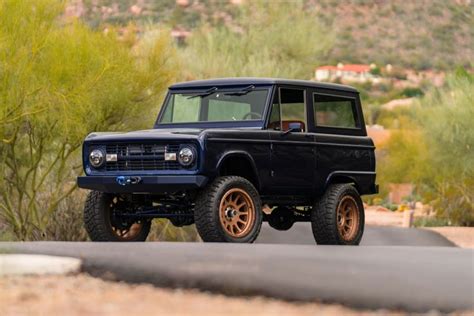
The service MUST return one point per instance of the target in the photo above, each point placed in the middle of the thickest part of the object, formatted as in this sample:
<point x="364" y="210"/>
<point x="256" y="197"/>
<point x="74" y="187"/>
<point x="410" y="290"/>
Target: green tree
<point x="59" y="81"/>
<point x="270" y="39"/>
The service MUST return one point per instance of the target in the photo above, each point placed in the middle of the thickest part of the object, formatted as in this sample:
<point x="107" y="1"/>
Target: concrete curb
<point x="13" y="264"/>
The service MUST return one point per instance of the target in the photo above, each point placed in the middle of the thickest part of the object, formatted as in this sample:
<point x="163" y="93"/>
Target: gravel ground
<point x="382" y="218"/>
<point x="461" y="236"/>
<point x="84" y="295"/>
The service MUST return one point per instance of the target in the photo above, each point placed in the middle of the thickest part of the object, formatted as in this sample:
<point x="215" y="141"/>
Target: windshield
<point x="215" y="105"/>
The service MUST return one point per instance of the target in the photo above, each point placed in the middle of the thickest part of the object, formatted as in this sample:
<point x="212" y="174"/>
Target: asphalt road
<point x="417" y="279"/>
<point x="301" y="234"/>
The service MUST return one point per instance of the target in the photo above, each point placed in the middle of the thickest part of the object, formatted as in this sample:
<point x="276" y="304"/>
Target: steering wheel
<point x="258" y="115"/>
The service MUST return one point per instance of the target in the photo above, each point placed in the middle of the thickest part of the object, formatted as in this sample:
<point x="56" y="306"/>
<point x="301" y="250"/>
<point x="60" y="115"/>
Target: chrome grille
<point x="141" y="157"/>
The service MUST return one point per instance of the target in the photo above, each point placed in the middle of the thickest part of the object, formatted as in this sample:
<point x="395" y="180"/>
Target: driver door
<point x="292" y="153"/>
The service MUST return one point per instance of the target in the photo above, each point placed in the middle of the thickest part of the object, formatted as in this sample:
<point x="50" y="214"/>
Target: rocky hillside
<point x="421" y="34"/>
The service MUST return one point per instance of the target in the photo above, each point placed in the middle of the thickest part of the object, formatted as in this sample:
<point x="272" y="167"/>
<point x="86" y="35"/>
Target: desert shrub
<point x="399" y="118"/>
<point x="412" y="92"/>
<point x="403" y="158"/>
<point x="390" y="206"/>
<point x="430" y="221"/>
<point x="281" y="39"/>
<point x="446" y="118"/>
<point x="66" y="222"/>
<point x="60" y="81"/>
<point x="163" y="230"/>
<point x="433" y="150"/>
<point x="376" y="71"/>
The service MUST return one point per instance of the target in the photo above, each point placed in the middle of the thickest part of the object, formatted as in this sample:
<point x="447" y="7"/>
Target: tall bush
<point x="273" y="39"/>
<point x="60" y="80"/>
<point x="434" y="150"/>
<point x="403" y="158"/>
<point x="446" y="117"/>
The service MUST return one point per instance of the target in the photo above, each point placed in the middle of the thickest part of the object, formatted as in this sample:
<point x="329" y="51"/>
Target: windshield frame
<point x="259" y="123"/>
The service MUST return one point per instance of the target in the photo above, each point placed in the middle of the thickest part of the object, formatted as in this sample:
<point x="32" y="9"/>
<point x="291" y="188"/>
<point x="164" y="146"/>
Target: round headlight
<point x="96" y="158"/>
<point x="186" y="156"/>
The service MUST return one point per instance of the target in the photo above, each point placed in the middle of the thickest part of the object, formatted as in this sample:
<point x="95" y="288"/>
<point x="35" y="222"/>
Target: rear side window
<point x="334" y="111"/>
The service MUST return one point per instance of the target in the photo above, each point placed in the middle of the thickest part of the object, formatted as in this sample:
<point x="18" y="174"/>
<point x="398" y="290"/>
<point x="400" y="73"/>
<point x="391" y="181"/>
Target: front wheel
<point x="228" y="210"/>
<point x="338" y="217"/>
<point x="103" y="223"/>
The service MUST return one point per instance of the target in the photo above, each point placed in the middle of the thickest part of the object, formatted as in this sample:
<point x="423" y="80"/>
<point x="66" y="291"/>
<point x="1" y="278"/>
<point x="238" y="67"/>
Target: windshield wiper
<point x="242" y="91"/>
<point x="203" y="94"/>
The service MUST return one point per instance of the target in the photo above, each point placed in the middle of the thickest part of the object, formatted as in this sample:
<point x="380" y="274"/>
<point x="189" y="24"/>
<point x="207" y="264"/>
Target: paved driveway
<point x="426" y="275"/>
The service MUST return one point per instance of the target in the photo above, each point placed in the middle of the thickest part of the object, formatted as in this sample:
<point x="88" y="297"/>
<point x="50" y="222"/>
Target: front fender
<point x="239" y="154"/>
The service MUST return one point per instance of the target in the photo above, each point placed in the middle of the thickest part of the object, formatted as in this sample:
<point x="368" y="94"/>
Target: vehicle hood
<point x="149" y="134"/>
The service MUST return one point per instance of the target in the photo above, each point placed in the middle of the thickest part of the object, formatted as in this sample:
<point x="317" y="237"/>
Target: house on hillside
<point x="349" y="72"/>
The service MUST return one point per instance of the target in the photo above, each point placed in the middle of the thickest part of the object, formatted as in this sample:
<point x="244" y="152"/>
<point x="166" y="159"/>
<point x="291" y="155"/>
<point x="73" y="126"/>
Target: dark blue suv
<point x="227" y="154"/>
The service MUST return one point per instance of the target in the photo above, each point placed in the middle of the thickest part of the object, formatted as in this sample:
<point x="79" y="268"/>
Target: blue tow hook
<point x="122" y="180"/>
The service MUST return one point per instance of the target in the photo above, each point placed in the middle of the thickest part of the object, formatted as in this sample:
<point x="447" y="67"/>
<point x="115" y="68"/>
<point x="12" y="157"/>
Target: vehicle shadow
<point x="301" y="234"/>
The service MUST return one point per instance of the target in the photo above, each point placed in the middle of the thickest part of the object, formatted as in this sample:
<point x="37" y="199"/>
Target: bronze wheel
<point x="237" y="213"/>
<point x="129" y="233"/>
<point x="347" y="218"/>
<point x="123" y="230"/>
<point x="228" y="210"/>
<point x="337" y="217"/>
<point x="103" y="222"/>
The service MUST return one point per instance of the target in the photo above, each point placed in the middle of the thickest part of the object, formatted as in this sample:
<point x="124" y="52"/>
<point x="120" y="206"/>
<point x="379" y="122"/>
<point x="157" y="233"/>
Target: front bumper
<point x="146" y="184"/>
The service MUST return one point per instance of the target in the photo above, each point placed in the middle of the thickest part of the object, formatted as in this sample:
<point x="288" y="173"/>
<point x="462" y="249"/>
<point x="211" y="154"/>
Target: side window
<point x="292" y="107"/>
<point x="181" y="110"/>
<point x="334" y="111"/>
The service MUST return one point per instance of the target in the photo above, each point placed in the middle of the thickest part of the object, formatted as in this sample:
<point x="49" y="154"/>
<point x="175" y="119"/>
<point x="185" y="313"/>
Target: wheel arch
<point x="340" y="177"/>
<point x="239" y="163"/>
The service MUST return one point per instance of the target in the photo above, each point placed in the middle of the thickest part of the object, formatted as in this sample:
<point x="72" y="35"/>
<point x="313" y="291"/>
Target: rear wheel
<point x="103" y="222"/>
<point x="228" y="210"/>
<point x="337" y="217"/>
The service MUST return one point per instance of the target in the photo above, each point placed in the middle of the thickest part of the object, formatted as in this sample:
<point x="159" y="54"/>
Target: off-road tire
<point x="206" y="212"/>
<point x="324" y="216"/>
<point x="97" y="219"/>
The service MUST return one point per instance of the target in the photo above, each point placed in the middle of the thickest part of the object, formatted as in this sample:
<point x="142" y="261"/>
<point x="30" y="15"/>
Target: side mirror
<point x="294" y="127"/>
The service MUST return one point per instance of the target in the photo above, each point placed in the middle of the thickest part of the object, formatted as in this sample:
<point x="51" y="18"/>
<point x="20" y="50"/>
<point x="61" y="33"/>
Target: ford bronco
<point x="228" y="154"/>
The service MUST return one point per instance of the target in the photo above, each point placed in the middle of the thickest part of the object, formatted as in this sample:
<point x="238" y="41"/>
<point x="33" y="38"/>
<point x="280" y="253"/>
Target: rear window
<point x="334" y="111"/>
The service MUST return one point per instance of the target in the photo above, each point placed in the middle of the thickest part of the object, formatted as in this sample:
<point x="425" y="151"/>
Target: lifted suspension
<point x="177" y="213"/>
